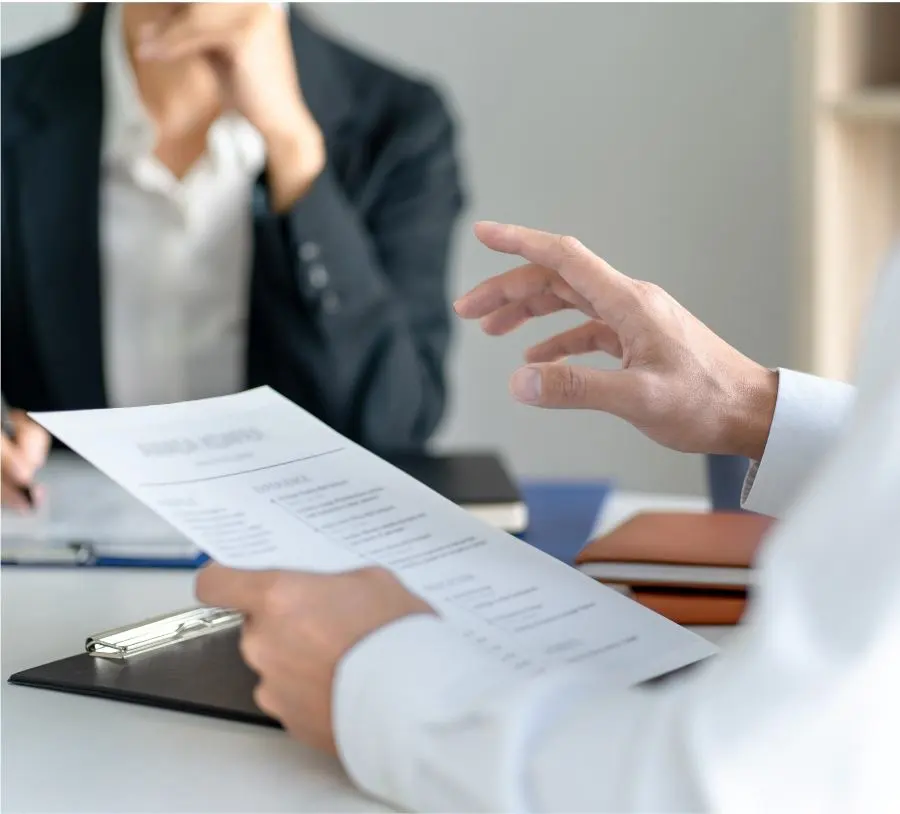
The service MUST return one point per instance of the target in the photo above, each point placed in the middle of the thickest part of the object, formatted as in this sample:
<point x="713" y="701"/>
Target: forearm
<point x="295" y="156"/>
<point x="387" y="379"/>
<point x="795" y="711"/>
<point x="381" y="351"/>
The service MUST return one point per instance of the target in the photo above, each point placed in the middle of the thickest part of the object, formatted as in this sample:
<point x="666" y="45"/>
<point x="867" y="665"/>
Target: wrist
<point x="295" y="157"/>
<point x="750" y="419"/>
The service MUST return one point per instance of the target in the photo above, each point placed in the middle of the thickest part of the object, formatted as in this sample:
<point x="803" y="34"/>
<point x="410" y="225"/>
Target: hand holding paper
<point x="299" y="626"/>
<point x="260" y="484"/>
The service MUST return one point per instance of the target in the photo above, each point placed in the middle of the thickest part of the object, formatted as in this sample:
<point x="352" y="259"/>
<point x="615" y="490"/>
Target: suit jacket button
<point x="331" y="303"/>
<point x="308" y="251"/>
<point x="318" y="277"/>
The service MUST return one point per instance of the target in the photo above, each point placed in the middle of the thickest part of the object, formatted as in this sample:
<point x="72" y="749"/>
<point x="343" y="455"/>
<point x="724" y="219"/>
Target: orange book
<point x="687" y="607"/>
<point x="693" y="568"/>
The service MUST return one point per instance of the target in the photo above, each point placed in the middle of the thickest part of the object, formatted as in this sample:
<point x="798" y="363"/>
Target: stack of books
<point x="693" y="568"/>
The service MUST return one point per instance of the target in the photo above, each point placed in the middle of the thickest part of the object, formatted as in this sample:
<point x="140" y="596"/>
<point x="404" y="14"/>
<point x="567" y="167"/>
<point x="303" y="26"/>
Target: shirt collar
<point x="129" y="131"/>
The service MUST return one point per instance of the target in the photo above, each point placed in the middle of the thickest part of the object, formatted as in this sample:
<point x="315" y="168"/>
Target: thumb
<point x="569" y="387"/>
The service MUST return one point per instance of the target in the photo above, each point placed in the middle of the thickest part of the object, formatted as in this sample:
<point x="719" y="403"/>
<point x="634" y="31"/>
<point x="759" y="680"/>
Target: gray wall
<point x="658" y="134"/>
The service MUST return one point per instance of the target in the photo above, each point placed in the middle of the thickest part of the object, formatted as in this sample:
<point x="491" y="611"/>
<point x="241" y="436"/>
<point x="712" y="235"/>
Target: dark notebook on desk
<point x="478" y="482"/>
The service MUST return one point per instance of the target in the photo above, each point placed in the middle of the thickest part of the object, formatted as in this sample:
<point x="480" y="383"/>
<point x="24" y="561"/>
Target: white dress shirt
<point x="810" y="414"/>
<point x="175" y="254"/>
<point x="799" y="714"/>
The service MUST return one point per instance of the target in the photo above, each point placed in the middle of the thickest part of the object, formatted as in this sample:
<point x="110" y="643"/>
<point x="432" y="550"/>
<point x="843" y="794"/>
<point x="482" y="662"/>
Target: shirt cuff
<point x="809" y="414"/>
<point x="385" y="689"/>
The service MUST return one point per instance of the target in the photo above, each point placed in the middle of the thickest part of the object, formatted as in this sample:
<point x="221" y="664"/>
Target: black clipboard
<point x="188" y="661"/>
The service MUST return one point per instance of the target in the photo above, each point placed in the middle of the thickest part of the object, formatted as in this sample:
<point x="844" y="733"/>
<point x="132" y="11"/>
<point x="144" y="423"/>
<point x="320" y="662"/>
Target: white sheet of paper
<point x="256" y="482"/>
<point x="84" y="505"/>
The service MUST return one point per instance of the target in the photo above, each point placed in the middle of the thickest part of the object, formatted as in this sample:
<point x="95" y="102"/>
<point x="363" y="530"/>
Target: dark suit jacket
<point x="366" y="353"/>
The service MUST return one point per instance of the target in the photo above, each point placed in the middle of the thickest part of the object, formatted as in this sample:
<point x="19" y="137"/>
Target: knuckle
<point x="264" y="699"/>
<point x="251" y="649"/>
<point x="380" y="572"/>
<point x="376" y="575"/>
<point x="544" y="304"/>
<point x="570" y="247"/>
<point x="570" y="385"/>
<point x="32" y="429"/>
<point x="278" y="599"/>
<point x="649" y="294"/>
<point x="203" y="584"/>
<point x="16" y="464"/>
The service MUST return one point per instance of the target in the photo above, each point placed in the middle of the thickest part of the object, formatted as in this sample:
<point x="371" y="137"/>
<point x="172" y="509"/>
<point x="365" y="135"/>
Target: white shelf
<point x="873" y="105"/>
<point x="849" y="173"/>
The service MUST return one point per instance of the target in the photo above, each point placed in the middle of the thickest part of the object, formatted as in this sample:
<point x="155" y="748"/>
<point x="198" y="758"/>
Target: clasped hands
<point x="248" y="48"/>
<point x="678" y="383"/>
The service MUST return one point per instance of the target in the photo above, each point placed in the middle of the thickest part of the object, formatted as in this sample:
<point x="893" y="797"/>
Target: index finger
<point x="607" y="290"/>
<point x="32" y="439"/>
<point x="519" y="285"/>
<point x="224" y="587"/>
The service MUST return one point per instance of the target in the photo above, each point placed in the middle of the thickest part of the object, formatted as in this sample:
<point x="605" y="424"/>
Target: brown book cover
<point x="692" y="568"/>
<point x="678" y="549"/>
<point x="693" y="607"/>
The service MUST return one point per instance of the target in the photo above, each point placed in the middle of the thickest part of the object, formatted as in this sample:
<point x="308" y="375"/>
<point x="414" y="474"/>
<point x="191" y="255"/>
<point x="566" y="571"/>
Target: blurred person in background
<point x="203" y="197"/>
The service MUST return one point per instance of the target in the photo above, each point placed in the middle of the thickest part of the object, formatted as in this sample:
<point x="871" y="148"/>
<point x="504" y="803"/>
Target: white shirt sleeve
<point x="809" y="415"/>
<point x="799" y="713"/>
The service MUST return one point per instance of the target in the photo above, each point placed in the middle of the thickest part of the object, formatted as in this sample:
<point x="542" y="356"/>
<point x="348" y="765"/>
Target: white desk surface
<point x="77" y="754"/>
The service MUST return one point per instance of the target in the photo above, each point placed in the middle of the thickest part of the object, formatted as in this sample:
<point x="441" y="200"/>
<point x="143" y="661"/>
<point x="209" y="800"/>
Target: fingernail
<point x="526" y="385"/>
<point x="487" y="226"/>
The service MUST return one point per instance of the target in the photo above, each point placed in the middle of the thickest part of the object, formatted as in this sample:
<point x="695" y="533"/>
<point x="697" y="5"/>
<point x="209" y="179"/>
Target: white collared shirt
<point x="800" y="713"/>
<point x="175" y="255"/>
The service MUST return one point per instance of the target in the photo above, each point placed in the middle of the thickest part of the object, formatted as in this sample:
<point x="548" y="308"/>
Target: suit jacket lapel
<point x="58" y="166"/>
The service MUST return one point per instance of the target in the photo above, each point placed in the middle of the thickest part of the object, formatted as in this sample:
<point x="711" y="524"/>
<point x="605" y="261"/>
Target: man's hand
<point x="249" y="46"/>
<point x="298" y="627"/>
<point x="21" y="459"/>
<point x="680" y="384"/>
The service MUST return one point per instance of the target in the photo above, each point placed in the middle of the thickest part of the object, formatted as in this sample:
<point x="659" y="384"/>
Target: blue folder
<point x="562" y="514"/>
<point x="84" y="560"/>
<point x="126" y="562"/>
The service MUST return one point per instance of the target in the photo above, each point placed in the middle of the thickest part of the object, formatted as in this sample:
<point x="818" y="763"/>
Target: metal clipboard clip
<point x="25" y="552"/>
<point x="160" y="631"/>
